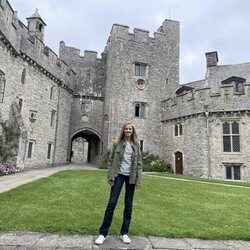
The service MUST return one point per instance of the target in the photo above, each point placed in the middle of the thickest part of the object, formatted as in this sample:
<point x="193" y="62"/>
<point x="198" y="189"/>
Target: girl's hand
<point x="111" y="183"/>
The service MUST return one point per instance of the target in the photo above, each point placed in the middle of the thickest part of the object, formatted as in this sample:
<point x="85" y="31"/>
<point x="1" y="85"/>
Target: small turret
<point x="36" y="26"/>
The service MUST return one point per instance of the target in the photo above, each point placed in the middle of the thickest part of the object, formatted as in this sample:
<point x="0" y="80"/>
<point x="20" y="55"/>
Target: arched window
<point x="2" y="85"/>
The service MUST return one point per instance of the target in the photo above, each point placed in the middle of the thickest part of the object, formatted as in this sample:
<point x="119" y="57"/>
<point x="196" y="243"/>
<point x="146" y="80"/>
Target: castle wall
<point x="219" y="158"/>
<point x="31" y="70"/>
<point x="193" y="144"/>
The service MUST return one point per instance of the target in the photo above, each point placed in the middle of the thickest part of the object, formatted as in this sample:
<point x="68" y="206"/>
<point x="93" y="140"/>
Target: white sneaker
<point x="125" y="239"/>
<point x="100" y="240"/>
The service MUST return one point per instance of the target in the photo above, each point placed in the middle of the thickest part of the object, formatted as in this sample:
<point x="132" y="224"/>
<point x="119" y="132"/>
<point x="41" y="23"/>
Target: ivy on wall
<point x="9" y="138"/>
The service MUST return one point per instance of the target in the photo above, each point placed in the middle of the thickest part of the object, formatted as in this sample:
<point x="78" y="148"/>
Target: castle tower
<point x="36" y="26"/>
<point x="141" y="71"/>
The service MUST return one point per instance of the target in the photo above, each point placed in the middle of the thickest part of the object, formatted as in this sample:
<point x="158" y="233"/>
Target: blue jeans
<point x="128" y="202"/>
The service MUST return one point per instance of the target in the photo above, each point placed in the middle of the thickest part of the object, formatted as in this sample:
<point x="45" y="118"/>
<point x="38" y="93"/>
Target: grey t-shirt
<point x="127" y="158"/>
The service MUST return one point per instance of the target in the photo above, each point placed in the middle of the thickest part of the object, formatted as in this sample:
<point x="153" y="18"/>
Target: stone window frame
<point x="231" y="135"/>
<point x="86" y="106"/>
<point x="2" y="85"/>
<point x="50" y="150"/>
<point x="233" y="171"/>
<point x="30" y="148"/>
<point x="140" y="69"/>
<point x="235" y="81"/>
<point x="23" y="76"/>
<point x="52" y="93"/>
<point x="140" y="109"/>
<point x="142" y="145"/>
<point x="178" y="129"/>
<point x="52" y="118"/>
<point x="32" y="115"/>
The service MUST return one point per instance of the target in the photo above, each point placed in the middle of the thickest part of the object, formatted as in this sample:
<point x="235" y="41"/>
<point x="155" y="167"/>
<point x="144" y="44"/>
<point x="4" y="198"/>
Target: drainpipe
<point x="56" y="128"/>
<point x="208" y="143"/>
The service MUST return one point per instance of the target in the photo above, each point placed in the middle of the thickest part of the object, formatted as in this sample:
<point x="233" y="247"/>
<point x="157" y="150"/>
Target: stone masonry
<point x="60" y="101"/>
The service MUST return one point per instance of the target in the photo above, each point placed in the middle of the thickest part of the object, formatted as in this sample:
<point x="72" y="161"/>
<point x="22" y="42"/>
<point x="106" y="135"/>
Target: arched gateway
<point x="85" y="146"/>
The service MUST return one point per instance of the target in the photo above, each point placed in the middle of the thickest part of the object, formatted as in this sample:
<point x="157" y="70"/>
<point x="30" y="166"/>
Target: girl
<point x="124" y="165"/>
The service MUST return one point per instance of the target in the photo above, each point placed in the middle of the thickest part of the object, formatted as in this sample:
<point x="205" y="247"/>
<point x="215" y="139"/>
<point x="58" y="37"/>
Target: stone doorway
<point x="178" y="163"/>
<point x="85" y="146"/>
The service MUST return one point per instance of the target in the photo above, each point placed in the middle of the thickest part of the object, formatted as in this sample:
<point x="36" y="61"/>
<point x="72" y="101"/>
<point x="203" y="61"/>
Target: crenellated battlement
<point x="168" y="32"/>
<point x="15" y="35"/>
<point x="73" y="55"/>
<point x="199" y="101"/>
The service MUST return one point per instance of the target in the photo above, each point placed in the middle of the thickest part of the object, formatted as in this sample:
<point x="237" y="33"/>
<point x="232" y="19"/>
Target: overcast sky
<point x="206" y="25"/>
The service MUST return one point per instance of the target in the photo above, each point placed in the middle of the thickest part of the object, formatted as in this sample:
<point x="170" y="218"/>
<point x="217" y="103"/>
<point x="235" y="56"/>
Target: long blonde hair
<point x="121" y="134"/>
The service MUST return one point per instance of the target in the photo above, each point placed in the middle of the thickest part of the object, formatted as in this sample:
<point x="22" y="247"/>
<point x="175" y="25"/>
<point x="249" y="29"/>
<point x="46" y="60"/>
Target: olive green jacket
<point x="115" y="160"/>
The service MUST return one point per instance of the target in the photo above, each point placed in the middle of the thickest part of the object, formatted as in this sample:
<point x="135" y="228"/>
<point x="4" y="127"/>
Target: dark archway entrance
<point x="178" y="163"/>
<point x="85" y="146"/>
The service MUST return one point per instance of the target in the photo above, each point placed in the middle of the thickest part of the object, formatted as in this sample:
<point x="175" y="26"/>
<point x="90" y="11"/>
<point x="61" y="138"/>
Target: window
<point x="140" y="110"/>
<point x="141" y="144"/>
<point x="51" y="93"/>
<point x="239" y="87"/>
<point x="53" y="118"/>
<point x="49" y="151"/>
<point x="86" y="107"/>
<point x="2" y="85"/>
<point x="20" y="104"/>
<point x="30" y="149"/>
<point x="231" y="137"/>
<point x="178" y="129"/>
<point x="23" y="76"/>
<point x="233" y="172"/>
<point x="140" y="69"/>
<point x="32" y="115"/>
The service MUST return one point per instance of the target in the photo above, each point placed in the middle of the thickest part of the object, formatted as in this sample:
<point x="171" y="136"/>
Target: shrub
<point x="151" y="163"/>
<point x="7" y="168"/>
<point x="104" y="161"/>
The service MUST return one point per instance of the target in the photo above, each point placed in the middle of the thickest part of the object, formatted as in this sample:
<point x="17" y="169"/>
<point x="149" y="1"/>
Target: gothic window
<point x="233" y="172"/>
<point x="2" y="85"/>
<point x="140" y="110"/>
<point x="53" y="119"/>
<point x="23" y="76"/>
<point x="231" y="136"/>
<point x="178" y="130"/>
<point x="49" y="151"/>
<point x="140" y="69"/>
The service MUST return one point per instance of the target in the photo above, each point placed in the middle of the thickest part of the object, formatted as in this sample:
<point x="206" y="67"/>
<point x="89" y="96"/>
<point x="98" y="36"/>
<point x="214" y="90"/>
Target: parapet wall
<point x="201" y="101"/>
<point x="15" y="34"/>
<point x="169" y="32"/>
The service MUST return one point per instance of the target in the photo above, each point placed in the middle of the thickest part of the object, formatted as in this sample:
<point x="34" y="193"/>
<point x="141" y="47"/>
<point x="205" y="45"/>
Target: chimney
<point x="212" y="58"/>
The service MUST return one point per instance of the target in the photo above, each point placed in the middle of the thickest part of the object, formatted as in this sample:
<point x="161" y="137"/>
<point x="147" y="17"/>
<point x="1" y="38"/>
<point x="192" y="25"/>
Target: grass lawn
<point x="74" y="202"/>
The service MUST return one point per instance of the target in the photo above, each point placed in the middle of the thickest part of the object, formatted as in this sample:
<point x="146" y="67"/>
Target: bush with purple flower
<point x="8" y="168"/>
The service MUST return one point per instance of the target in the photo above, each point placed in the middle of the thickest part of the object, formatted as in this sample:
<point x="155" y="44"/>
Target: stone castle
<point x="69" y="107"/>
